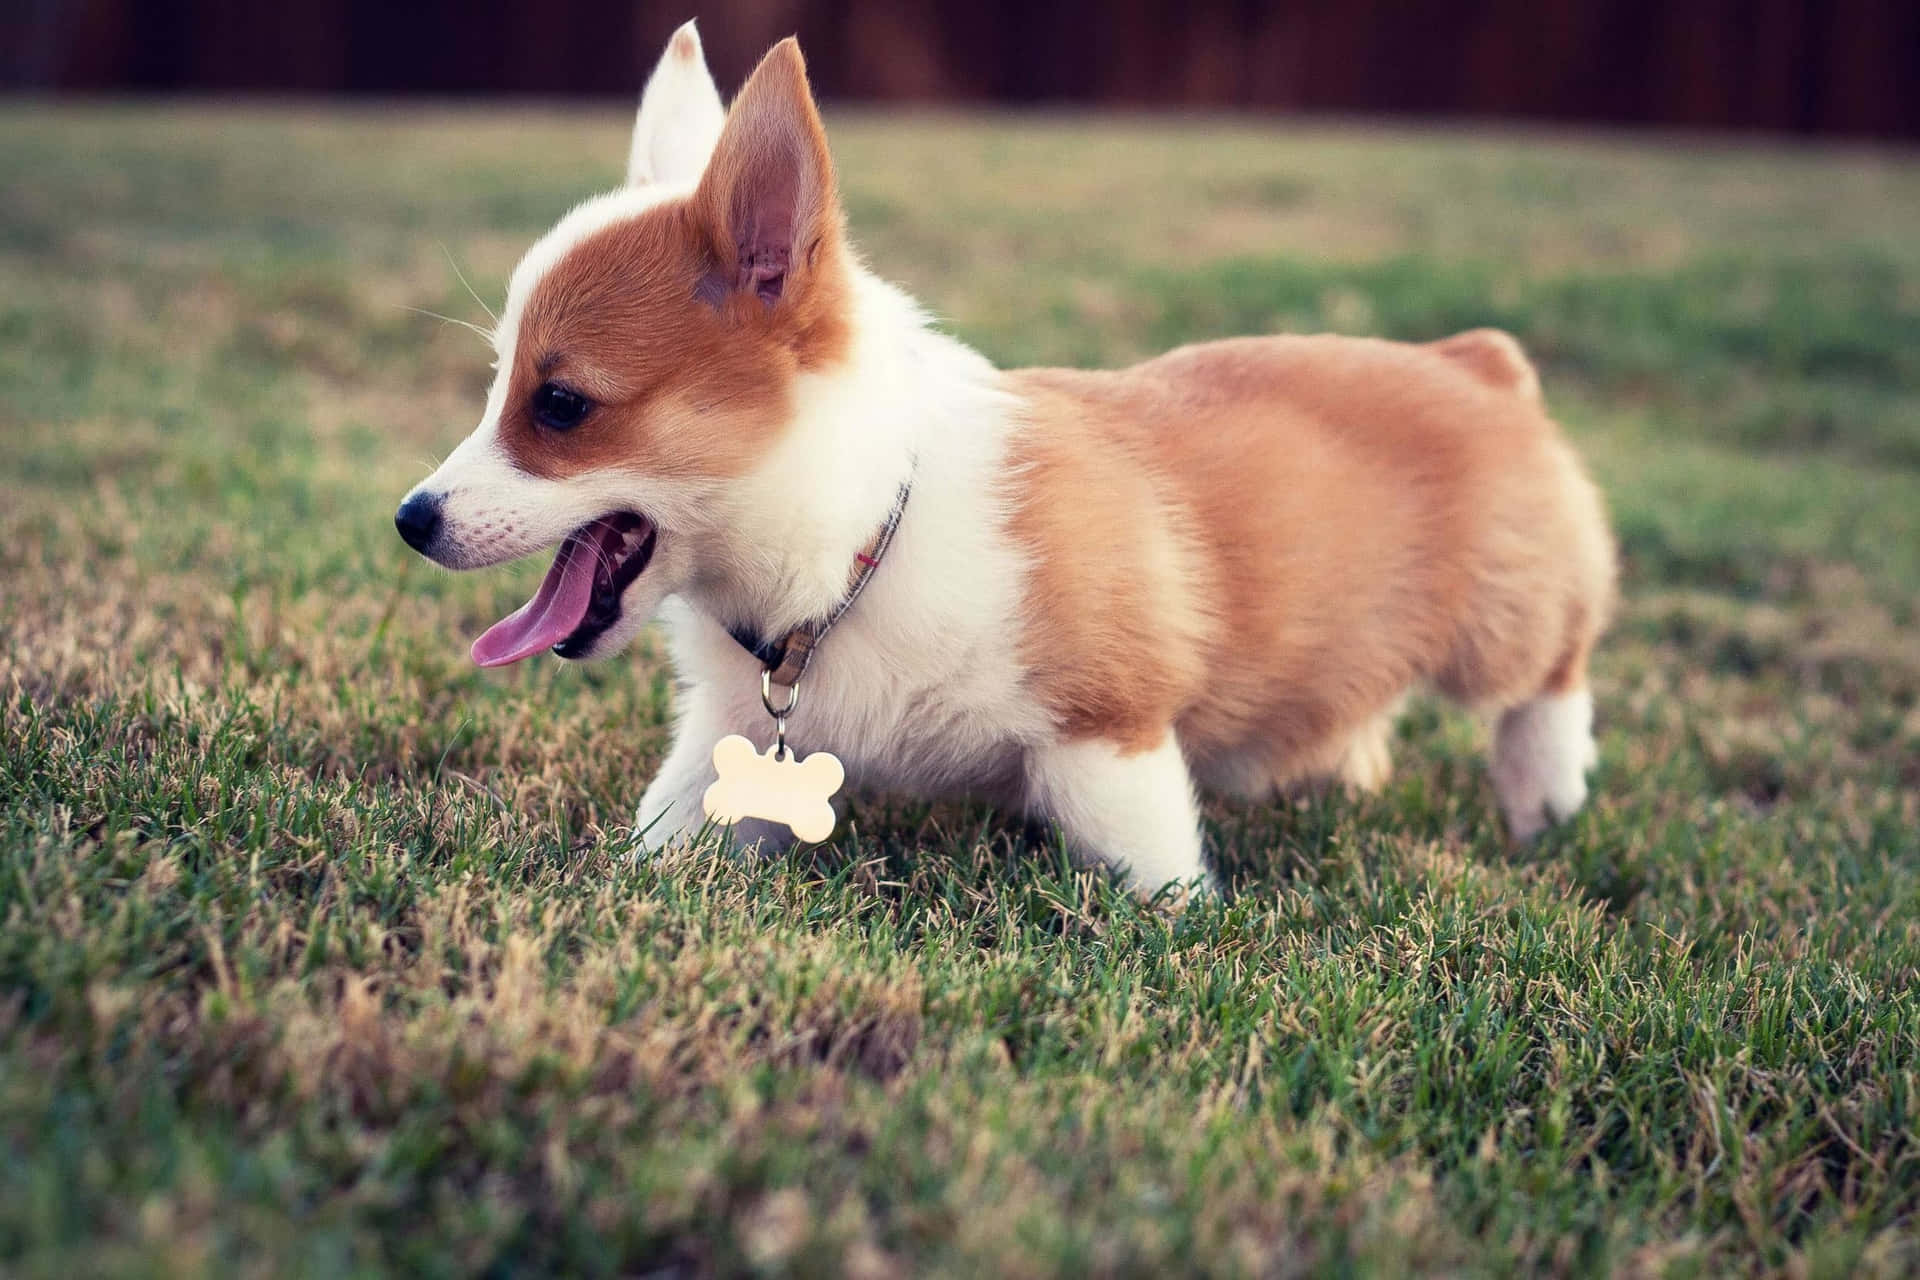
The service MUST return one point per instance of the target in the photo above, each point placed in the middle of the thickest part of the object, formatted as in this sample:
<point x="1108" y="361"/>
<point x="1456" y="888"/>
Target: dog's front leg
<point x="1134" y="810"/>
<point x="671" y="808"/>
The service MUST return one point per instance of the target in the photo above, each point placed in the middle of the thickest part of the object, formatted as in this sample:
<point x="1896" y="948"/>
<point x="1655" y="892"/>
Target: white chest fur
<point x="920" y="687"/>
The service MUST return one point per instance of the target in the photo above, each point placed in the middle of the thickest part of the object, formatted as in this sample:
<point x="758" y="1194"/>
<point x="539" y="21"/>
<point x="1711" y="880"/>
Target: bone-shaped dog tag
<point x="792" y="791"/>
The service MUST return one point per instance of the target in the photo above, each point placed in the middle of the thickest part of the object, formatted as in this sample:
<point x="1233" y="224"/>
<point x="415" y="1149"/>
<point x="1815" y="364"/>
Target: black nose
<point x="418" y="520"/>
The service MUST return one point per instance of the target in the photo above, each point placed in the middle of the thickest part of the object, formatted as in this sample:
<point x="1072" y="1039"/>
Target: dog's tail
<point x="1495" y="357"/>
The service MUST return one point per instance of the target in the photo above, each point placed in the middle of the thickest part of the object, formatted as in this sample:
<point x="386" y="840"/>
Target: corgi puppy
<point x="1225" y="566"/>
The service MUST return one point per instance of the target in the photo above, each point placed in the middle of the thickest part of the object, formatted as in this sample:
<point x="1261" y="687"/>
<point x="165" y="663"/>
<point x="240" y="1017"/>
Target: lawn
<point x="317" y="953"/>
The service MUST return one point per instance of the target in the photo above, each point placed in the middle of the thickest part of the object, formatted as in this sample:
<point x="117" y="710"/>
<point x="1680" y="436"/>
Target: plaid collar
<point x="785" y="658"/>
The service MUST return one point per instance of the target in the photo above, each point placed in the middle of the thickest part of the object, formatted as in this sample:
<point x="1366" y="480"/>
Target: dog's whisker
<point x="486" y="335"/>
<point x="461" y="277"/>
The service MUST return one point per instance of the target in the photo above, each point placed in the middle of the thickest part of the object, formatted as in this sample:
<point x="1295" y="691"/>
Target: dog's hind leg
<point x="1367" y="764"/>
<point x="1359" y="761"/>
<point x="1544" y="595"/>
<point x="1542" y="750"/>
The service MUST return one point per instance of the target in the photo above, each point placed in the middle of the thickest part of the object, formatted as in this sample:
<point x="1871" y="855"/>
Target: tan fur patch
<point x="1355" y="516"/>
<point x="689" y="378"/>
<point x="1495" y="357"/>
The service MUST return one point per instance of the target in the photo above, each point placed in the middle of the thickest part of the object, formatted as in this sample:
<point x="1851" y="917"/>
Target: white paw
<point x="652" y="833"/>
<point x="1541" y="755"/>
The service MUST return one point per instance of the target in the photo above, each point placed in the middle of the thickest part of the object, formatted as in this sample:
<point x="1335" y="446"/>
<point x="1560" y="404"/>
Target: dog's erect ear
<point x="767" y="199"/>
<point x="680" y="116"/>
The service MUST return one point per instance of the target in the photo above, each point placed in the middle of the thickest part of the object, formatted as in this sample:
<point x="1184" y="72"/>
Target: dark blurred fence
<point x="1839" y="66"/>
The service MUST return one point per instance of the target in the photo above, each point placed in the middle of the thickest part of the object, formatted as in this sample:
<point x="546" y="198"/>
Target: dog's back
<point x="1266" y="541"/>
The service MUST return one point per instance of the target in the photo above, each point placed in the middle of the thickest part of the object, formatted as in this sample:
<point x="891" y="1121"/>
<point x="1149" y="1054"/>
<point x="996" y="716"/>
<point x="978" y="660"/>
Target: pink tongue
<point x="550" y="617"/>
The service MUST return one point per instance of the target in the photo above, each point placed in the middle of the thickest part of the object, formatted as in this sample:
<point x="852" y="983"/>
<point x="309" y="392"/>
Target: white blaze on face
<point x="492" y="511"/>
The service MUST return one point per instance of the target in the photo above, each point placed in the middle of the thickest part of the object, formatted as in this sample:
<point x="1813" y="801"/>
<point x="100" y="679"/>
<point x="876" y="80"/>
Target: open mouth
<point x="580" y="596"/>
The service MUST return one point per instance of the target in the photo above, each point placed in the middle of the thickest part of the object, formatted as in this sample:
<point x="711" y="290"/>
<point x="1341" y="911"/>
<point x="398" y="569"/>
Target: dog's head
<point x="649" y="356"/>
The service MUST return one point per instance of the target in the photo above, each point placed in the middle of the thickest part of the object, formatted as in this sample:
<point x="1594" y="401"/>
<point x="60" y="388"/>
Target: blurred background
<point x="1847" y="67"/>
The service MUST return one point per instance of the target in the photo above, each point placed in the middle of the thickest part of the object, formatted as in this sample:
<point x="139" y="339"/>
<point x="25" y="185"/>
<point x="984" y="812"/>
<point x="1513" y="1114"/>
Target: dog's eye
<point x="557" y="408"/>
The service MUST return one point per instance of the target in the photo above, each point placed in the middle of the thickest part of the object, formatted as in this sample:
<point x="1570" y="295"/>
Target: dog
<point x="1075" y="594"/>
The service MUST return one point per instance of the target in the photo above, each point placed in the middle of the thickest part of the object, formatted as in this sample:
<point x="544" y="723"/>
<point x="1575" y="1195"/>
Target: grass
<point x="316" y="955"/>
